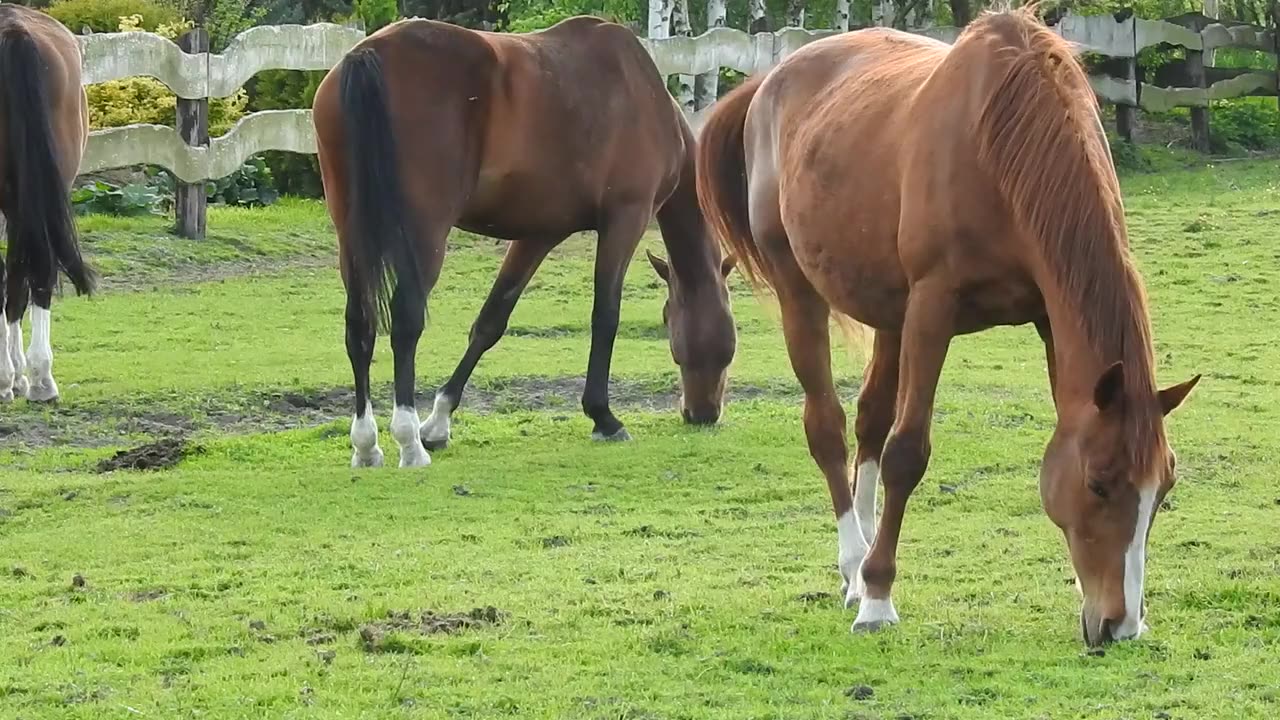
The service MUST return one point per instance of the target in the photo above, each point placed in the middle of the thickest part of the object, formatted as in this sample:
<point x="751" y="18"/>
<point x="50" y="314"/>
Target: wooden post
<point x="1199" y="115"/>
<point x="1127" y="115"/>
<point x="190" y="201"/>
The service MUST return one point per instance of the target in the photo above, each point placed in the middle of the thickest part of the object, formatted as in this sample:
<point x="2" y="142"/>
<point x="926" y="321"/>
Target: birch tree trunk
<point x="659" y="21"/>
<point x="681" y="27"/>
<point x="707" y="85"/>
<point x="759" y="18"/>
<point x="1211" y="10"/>
<point x="842" y="14"/>
<point x="795" y="13"/>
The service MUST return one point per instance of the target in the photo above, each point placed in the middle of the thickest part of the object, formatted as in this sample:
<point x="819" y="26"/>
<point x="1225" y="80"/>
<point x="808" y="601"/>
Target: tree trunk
<point x="681" y="28"/>
<point x="961" y="15"/>
<point x="707" y="85"/>
<point x="1210" y="10"/>
<point x="842" y="14"/>
<point x="759" y="17"/>
<point x="795" y="13"/>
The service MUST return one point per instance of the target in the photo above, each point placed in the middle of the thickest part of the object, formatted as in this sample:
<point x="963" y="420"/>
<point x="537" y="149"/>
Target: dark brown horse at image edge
<point x="927" y="191"/>
<point x="44" y="126"/>
<point x="426" y="126"/>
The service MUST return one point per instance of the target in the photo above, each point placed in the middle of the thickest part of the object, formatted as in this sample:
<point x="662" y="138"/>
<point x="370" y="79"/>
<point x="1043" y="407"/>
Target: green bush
<point x="101" y="197"/>
<point x="104" y="16"/>
<point x="251" y="185"/>
<point x="1244" y="124"/>
<point x="294" y="174"/>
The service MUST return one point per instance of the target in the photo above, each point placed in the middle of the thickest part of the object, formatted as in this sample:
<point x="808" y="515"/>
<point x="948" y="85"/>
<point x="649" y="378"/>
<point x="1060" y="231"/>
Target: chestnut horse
<point x="44" y="125"/>
<point x="928" y="191"/>
<point x="425" y="126"/>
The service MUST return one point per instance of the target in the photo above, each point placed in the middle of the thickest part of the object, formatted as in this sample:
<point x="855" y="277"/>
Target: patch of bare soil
<point x="109" y="424"/>
<point x="159" y="455"/>
<point x="373" y="636"/>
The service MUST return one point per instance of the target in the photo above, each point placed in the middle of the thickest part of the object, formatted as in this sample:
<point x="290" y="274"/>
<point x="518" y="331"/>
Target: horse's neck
<point x="1078" y="363"/>
<point x="693" y="254"/>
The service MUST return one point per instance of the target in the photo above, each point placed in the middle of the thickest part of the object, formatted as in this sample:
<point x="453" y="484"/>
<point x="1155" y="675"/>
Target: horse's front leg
<point x="926" y="335"/>
<point x="619" y="237"/>
<point x="522" y="260"/>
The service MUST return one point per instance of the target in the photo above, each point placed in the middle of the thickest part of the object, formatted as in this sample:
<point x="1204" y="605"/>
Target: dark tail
<point x="41" y="231"/>
<point x="722" y="179"/>
<point x="380" y="248"/>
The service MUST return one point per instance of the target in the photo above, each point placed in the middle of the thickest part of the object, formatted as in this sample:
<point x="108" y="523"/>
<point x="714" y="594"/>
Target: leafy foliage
<point x="103" y="198"/>
<point x="105" y="15"/>
<point x="250" y="186"/>
<point x="376" y="13"/>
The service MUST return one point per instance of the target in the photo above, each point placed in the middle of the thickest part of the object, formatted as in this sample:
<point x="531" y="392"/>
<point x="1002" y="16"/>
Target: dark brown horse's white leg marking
<point x="983" y="194"/>
<point x="45" y="116"/>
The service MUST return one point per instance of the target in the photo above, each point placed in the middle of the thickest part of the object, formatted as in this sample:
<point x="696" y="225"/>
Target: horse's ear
<point x="1109" y="391"/>
<point x="1172" y="397"/>
<point x="726" y="265"/>
<point x="660" y="266"/>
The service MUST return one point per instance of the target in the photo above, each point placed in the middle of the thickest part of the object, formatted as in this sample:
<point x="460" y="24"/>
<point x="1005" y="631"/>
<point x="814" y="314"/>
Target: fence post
<point x="190" y="200"/>
<point x="1127" y="115"/>
<point x="1199" y="115"/>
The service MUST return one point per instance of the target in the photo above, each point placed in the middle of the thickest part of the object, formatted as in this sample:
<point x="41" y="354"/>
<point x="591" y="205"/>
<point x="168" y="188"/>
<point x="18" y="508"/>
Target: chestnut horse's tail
<point x="379" y="246"/>
<point x="722" y="179"/>
<point x="41" y="231"/>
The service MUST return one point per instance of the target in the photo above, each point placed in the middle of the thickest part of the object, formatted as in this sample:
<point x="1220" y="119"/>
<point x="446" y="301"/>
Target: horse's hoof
<point x="43" y="392"/>
<point x="373" y="460"/>
<point x="435" y="444"/>
<point x="621" y="436"/>
<point x="411" y="457"/>
<point x="872" y="626"/>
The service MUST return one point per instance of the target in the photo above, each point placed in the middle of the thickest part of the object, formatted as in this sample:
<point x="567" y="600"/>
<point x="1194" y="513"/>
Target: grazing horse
<point x="44" y="125"/>
<point x="929" y="191"/>
<point x="425" y="126"/>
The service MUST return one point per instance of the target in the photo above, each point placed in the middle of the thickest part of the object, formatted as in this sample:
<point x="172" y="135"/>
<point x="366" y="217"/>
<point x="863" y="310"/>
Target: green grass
<point x="689" y="574"/>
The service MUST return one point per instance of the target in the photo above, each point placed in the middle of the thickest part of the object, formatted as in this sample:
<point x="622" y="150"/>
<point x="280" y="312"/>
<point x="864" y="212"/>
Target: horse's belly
<point x="858" y="276"/>
<point x="515" y="206"/>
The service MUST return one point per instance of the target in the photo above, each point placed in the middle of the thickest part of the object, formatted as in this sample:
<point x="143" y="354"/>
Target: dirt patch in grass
<point x="108" y="424"/>
<point x="382" y="636"/>
<point x="159" y="455"/>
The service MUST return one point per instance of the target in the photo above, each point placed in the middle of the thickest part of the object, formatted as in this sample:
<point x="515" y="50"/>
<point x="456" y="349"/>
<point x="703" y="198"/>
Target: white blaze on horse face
<point x="1135" y="560"/>
<point x="864" y="498"/>
<point x="405" y="428"/>
<point x="364" y="439"/>
<point x="853" y="549"/>
<point x="435" y="430"/>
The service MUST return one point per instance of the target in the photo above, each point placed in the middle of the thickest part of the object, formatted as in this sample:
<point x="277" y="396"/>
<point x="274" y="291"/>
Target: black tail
<point x="380" y="248"/>
<point x="37" y="204"/>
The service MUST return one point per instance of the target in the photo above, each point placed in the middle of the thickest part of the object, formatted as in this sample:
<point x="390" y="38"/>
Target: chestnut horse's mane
<point x="1042" y="140"/>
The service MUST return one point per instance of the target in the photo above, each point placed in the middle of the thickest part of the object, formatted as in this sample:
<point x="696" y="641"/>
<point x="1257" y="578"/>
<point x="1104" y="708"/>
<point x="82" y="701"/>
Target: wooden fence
<point x="196" y="76"/>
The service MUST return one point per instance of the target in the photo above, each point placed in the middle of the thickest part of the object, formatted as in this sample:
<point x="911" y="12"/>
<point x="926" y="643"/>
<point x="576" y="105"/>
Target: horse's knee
<point x="903" y="462"/>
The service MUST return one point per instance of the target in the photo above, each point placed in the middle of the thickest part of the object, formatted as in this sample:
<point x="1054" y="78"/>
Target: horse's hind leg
<point x="619" y="236"/>
<point x="806" y="327"/>
<point x="364" y="427"/>
<point x="408" y="318"/>
<point x="522" y="260"/>
<point x="40" y="354"/>
<point x="876" y="403"/>
<point x="6" y="362"/>
<point x="16" y="299"/>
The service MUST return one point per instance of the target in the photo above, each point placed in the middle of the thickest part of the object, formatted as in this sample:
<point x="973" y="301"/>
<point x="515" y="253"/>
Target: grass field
<point x="532" y="573"/>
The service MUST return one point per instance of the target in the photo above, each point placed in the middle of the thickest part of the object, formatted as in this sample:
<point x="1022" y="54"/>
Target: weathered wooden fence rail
<point x="195" y="77"/>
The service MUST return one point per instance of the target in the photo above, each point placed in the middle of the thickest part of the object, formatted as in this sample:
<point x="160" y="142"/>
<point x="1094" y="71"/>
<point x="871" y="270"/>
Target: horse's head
<point x="703" y="339"/>
<point x="1106" y="471"/>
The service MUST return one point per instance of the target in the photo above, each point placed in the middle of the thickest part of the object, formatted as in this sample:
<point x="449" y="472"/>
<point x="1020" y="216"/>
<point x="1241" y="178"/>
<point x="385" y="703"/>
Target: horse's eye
<point x="1098" y="489"/>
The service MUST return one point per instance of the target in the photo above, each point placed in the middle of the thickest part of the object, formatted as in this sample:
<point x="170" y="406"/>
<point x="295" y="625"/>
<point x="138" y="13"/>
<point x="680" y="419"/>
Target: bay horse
<point x="425" y="126"/>
<point x="927" y="191"/>
<point x="44" y="126"/>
